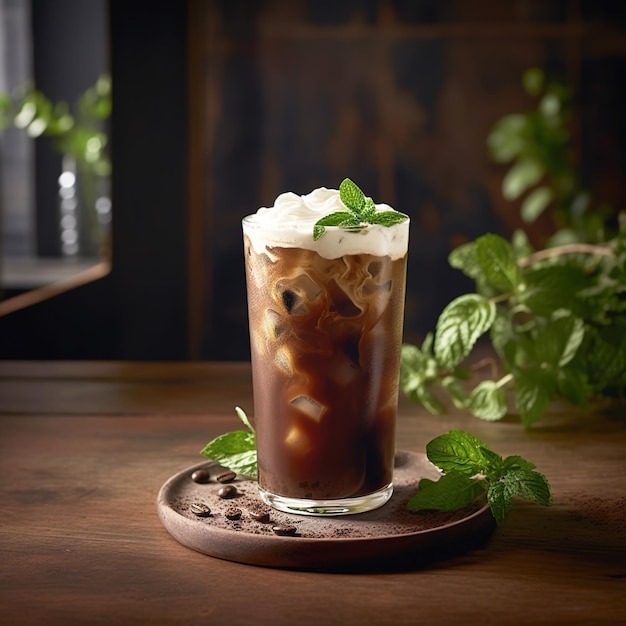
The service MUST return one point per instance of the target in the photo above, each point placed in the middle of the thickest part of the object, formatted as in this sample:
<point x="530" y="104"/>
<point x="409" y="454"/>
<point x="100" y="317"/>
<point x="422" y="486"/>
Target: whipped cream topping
<point x="289" y="224"/>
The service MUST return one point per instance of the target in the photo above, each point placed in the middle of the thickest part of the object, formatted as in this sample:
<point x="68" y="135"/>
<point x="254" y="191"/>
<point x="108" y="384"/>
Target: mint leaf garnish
<point x="451" y="492"/>
<point x="235" y="450"/>
<point x="459" y="451"/>
<point x="528" y="485"/>
<point x="244" y="418"/>
<point x="386" y="218"/>
<point x="361" y="211"/>
<point x="351" y="196"/>
<point x="470" y="469"/>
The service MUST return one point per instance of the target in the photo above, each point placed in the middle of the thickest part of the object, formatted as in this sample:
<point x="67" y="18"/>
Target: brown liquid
<point x="325" y="342"/>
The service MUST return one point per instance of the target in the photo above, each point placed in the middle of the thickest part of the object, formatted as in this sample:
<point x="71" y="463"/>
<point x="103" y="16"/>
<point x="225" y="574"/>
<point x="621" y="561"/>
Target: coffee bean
<point x="260" y="515"/>
<point x="226" y="477"/>
<point x="227" y="491"/>
<point x="201" y="475"/>
<point x="200" y="509"/>
<point x="284" y="530"/>
<point x="233" y="513"/>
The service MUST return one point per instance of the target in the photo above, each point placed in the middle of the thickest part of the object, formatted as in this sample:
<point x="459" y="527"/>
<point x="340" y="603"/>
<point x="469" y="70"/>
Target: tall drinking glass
<point x="326" y="321"/>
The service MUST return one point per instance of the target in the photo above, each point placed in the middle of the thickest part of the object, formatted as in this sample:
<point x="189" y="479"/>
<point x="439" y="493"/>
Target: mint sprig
<point x="235" y="450"/>
<point x="470" y="470"/>
<point x="555" y="318"/>
<point x="361" y="211"/>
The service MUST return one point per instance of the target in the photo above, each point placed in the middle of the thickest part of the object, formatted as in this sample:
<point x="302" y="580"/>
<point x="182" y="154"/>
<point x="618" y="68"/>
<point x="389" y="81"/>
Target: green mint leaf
<point x="533" y="390"/>
<point x="388" y="218"/>
<point x="424" y="395"/>
<point x="487" y="401"/>
<point x="517" y="462"/>
<point x="471" y="468"/>
<point x="500" y="501"/>
<point x="503" y="336"/>
<point x="606" y="355"/>
<point x="369" y="210"/>
<point x="418" y="370"/>
<point x="522" y="175"/>
<point x="451" y="492"/>
<point x="528" y="485"/>
<point x="493" y="462"/>
<point x="413" y="364"/>
<point x="557" y="343"/>
<point x="235" y="450"/>
<point x="460" y="325"/>
<point x="549" y="288"/>
<point x="496" y="259"/>
<point x="533" y="80"/>
<point x="464" y="258"/>
<point x="573" y="384"/>
<point x="521" y="244"/>
<point x="244" y="418"/>
<point x="352" y="196"/>
<point x="361" y="211"/>
<point x="335" y="219"/>
<point x="509" y="137"/>
<point x="427" y="344"/>
<point x="535" y="204"/>
<point x="459" y="451"/>
<point x="572" y="333"/>
<point x="318" y="231"/>
<point x="456" y="391"/>
<point x="339" y="218"/>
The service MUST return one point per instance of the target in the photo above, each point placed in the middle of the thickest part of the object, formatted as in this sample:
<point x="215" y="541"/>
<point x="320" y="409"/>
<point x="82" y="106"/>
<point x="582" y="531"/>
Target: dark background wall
<point x="219" y="106"/>
<point x="400" y="97"/>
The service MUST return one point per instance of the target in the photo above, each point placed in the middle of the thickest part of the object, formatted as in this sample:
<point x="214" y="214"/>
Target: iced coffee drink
<point x="326" y="321"/>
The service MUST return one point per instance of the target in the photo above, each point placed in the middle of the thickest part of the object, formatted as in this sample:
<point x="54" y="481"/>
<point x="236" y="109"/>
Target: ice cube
<point x="310" y="407"/>
<point x="297" y="293"/>
<point x="259" y="342"/>
<point x="298" y="441"/>
<point x="343" y="370"/>
<point x="371" y="288"/>
<point x="374" y="268"/>
<point x="283" y="360"/>
<point x="341" y="301"/>
<point x="274" y="324"/>
<point x="294" y="303"/>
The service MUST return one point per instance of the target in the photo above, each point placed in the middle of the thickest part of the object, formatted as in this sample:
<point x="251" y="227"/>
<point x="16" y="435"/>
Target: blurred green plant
<point x="543" y="171"/>
<point x="80" y="135"/>
<point x="555" y="316"/>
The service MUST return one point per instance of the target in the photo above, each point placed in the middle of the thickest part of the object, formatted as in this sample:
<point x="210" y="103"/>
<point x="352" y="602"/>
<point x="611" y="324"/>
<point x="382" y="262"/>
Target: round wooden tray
<point x="390" y="536"/>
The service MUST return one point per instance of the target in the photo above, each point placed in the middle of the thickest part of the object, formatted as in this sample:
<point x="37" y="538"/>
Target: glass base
<point x="339" y="506"/>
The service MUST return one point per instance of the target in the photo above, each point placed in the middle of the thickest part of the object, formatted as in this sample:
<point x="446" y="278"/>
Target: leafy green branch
<point x="543" y="174"/>
<point x="470" y="471"/>
<point x="554" y="316"/>
<point x="235" y="450"/>
<point x="555" y="319"/>
<point x="79" y="134"/>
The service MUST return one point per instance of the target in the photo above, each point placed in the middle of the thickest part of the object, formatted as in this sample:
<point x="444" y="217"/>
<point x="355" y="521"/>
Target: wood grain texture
<point x="85" y="447"/>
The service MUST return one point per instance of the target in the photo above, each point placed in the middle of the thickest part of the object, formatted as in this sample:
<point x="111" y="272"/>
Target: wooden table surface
<point x="85" y="448"/>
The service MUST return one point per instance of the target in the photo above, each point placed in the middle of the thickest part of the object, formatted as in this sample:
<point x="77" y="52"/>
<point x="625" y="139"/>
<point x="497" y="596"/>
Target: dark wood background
<point x="220" y="106"/>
